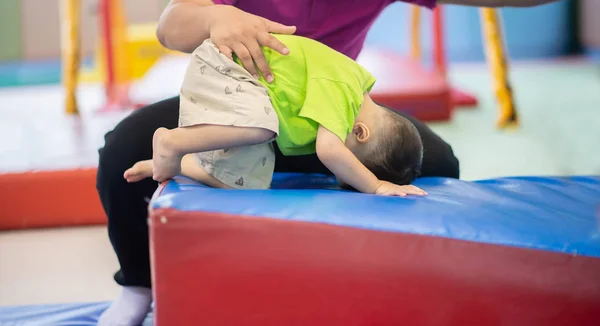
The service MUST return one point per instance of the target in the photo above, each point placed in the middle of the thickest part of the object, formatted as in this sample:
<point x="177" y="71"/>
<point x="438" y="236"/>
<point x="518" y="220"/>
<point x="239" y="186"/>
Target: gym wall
<point x="10" y="26"/>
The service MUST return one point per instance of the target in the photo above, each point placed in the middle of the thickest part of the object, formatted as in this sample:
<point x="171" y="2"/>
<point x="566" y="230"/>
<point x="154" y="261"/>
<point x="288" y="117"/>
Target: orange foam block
<point x="49" y="199"/>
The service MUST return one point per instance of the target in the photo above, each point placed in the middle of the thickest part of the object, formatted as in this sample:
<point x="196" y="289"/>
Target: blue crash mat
<point x="551" y="213"/>
<point x="68" y="314"/>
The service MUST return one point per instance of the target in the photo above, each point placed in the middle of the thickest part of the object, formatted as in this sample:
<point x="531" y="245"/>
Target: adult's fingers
<point x="259" y="58"/>
<point x="225" y="50"/>
<point x="277" y="28"/>
<point x="245" y="57"/>
<point x="272" y="42"/>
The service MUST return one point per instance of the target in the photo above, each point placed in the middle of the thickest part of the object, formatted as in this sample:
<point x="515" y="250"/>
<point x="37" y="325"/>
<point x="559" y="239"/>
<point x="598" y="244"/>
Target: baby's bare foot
<point x="166" y="163"/>
<point x="140" y="170"/>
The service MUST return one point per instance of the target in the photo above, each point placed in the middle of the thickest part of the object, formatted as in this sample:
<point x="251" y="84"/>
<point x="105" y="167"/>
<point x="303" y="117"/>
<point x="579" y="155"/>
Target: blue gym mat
<point x="550" y="213"/>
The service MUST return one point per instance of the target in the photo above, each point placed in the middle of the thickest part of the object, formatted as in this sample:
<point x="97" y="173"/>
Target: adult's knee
<point x="450" y="166"/>
<point x="111" y="166"/>
<point x="129" y="142"/>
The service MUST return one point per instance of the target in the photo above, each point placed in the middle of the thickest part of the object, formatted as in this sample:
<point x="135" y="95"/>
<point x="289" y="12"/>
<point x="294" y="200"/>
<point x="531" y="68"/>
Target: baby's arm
<point x="343" y="163"/>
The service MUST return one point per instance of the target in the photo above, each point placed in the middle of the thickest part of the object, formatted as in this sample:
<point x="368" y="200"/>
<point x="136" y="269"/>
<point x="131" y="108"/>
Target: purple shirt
<point x="340" y="24"/>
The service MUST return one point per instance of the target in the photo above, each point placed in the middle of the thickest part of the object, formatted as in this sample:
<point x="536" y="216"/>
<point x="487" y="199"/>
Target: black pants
<point x="126" y="203"/>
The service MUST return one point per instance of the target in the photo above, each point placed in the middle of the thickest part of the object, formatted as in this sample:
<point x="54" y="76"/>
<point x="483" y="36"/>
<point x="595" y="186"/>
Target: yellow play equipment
<point x="495" y="54"/>
<point x="70" y="46"/>
<point x="123" y="55"/>
<point x="142" y="51"/>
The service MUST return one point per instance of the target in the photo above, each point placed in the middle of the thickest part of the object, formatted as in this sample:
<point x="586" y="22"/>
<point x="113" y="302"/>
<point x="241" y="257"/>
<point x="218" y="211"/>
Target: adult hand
<point x="235" y="31"/>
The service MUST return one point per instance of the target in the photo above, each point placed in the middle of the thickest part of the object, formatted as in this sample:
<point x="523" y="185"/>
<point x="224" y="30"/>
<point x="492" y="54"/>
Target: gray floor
<point x="559" y="135"/>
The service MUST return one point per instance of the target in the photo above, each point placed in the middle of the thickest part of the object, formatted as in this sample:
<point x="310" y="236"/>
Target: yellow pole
<point x="71" y="53"/>
<point x="119" y="30"/>
<point x="415" y="32"/>
<point x="496" y="56"/>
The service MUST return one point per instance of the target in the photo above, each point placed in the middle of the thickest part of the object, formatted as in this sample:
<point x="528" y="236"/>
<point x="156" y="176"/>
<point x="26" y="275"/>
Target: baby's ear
<point x="361" y="132"/>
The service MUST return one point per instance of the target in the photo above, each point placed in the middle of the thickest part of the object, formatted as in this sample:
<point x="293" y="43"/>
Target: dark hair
<point x="398" y="152"/>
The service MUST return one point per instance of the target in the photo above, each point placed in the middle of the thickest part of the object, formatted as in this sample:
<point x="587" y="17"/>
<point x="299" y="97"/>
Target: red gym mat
<point x="47" y="169"/>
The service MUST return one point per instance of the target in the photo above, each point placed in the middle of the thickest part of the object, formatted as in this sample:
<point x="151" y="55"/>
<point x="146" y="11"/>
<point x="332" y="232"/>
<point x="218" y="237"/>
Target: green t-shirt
<point x="314" y="85"/>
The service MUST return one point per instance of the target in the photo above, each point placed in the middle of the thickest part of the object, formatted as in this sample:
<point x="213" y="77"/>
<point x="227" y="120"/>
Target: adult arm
<point x="185" y="24"/>
<point x="497" y="3"/>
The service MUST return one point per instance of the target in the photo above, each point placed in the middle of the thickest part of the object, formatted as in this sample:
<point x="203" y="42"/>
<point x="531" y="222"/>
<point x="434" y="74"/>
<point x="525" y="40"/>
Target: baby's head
<point x="388" y="144"/>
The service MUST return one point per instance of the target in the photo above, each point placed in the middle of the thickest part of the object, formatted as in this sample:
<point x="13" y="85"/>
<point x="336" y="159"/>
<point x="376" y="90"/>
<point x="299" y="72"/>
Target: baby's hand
<point x="389" y="189"/>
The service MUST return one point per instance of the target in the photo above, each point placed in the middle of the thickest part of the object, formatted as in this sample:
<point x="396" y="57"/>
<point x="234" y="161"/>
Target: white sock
<point x="129" y="309"/>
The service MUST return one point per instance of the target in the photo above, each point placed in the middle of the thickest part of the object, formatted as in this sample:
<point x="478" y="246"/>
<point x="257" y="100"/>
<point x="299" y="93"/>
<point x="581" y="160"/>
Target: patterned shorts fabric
<point x="217" y="91"/>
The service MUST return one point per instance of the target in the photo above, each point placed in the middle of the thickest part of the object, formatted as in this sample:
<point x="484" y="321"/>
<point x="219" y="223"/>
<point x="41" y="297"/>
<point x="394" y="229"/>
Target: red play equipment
<point x="407" y="86"/>
<point x="117" y="87"/>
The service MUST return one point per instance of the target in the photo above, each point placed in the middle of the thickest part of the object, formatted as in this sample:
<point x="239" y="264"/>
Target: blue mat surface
<point x="68" y="314"/>
<point x="550" y="213"/>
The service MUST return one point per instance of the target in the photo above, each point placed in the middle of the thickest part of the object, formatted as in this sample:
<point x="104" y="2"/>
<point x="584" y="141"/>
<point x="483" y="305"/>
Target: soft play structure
<point x="508" y="251"/>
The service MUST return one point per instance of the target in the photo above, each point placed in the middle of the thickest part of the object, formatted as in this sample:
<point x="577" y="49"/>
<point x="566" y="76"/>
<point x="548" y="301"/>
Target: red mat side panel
<point x="218" y="269"/>
<point x="49" y="199"/>
<point x="405" y="85"/>
<point x="432" y="106"/>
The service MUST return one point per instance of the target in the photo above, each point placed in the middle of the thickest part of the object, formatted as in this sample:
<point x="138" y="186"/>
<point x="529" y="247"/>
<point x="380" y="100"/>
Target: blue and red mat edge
<point x="83" y="314"/>
<point x="560" y="214"/>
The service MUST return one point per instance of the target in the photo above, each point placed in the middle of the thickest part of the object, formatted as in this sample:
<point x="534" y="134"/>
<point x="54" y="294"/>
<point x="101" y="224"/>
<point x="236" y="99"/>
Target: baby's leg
<point x="139" y="171"/>
<point x="189" y="168"/>
<point x="169" y="146"/>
